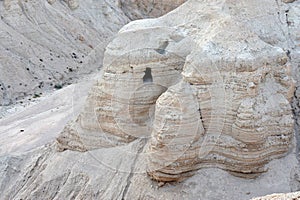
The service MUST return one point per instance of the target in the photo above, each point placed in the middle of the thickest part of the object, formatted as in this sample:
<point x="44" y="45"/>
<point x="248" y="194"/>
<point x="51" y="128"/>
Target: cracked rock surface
<point x="184" y="99"/>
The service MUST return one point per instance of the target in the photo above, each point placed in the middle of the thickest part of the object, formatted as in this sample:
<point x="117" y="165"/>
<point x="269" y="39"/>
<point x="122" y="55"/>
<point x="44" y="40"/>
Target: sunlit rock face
<point x="207" y="90"/>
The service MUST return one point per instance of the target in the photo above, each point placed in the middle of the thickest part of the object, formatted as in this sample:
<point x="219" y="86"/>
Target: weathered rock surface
<point x="237" y="88"/>
<point x="228" y="63"/>
<point x="288" y="196"/>
<point x="116" y="173"/>
<point x="46" y="46"/>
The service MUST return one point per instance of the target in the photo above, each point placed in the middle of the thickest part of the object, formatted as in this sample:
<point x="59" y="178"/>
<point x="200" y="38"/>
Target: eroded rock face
<point x="138" y="9"/>
<point x="221" y="92"/>
<point x="46" y="46"/>
<point x="122" y="102"/>
<point x="230" y="88"/>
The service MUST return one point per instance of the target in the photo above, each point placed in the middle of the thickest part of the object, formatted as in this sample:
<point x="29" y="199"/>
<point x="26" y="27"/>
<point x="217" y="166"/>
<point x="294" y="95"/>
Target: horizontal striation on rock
<point x="122" y="106"/>
<point x="205" y="89"/>
<point x="176" y="138"/>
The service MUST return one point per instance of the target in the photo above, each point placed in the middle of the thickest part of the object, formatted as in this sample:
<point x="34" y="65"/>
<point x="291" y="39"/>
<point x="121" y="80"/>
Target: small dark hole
<point x="148" y="76"/>
<point x="58" y="86"/>
<point x="36" y="96"/>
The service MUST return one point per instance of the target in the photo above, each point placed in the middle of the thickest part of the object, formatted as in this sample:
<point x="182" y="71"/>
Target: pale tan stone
<point x="281" y="196"/>
<point x="236" y="70"/>
<point x="221" y="95"/>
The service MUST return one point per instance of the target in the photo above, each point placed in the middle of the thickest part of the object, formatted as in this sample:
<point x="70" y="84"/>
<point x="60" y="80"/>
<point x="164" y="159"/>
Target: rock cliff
<point x="207" y="90"/>
<point x="204" y="90"/>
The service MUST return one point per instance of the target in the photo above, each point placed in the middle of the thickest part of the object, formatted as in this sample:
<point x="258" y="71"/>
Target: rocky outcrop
<point x="176" y="138"/>
<point x="121" y="100"/>
<point x="220" y="88"/>
<point x="177" y="94"/>
<point x="243" y="104"/>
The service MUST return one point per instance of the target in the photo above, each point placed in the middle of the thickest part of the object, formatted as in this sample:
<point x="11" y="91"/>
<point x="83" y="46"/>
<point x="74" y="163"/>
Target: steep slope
<point x="45" y="46"/>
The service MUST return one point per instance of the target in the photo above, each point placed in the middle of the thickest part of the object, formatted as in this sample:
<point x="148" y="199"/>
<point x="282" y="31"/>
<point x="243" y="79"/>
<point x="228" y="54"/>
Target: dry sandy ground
<point x="40" y="122"/>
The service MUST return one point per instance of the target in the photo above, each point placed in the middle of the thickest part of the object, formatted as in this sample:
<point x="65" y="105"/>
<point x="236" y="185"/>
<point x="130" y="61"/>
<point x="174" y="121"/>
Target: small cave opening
<point x="148" y="76"/>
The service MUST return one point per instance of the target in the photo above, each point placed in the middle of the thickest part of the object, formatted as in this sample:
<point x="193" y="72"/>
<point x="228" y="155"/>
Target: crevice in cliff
<point x="296" y="112"/>
<point x="142" y="144"/>
<point x="285" y="25"/>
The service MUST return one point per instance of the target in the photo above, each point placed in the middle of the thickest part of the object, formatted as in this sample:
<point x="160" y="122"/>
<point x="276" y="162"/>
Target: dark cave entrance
<point x="148" y="76"/>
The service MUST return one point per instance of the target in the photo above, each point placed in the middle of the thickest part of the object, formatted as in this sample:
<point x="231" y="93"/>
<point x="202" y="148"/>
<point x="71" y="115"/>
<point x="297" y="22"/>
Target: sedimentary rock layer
<point x="221" y="92"/>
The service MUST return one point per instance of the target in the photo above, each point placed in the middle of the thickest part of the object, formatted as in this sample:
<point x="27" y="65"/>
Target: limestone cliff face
<point x="221" y="94"/>
<point x="177" y="94"/>
<point x="208" y="90"/>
